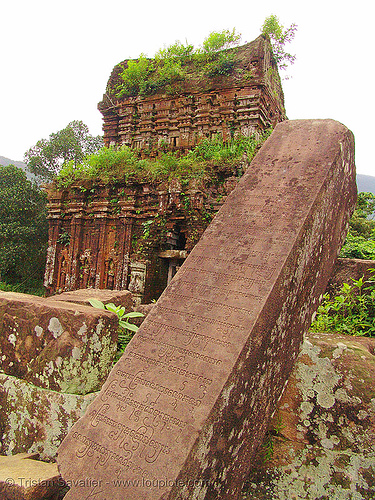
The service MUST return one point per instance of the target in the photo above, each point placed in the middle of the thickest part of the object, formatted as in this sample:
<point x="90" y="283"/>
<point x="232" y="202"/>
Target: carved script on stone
<point x="184" y="409"/>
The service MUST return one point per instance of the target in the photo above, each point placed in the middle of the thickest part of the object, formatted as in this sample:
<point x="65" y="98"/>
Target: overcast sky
<point x="56" y="58"/>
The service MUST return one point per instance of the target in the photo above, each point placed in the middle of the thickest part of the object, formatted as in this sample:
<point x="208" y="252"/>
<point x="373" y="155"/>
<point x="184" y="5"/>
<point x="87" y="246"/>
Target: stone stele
<point x="183" y="411"/>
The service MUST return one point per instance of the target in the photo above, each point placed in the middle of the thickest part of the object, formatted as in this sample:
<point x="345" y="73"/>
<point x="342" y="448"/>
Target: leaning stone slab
<point x="185" y="408"/>
<point x="122" y="298"/>
<point x="22" y="478"/>
<point x="56" y="345"/>
<point x="36" y="420"/>
<point x="325" y="443"/>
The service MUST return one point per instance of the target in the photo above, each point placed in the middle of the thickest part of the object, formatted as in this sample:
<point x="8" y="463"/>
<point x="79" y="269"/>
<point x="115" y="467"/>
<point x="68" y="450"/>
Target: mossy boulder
<point x="322" y="438"/>
<point x="56" y="345"/>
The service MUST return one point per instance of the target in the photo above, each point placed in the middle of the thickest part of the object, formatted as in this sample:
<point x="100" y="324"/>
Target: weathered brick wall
<point x="127" y="236"/>
<point x="247" y="100"/>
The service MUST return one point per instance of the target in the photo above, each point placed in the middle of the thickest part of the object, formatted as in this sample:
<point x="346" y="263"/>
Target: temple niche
<point x="135" y="235"/>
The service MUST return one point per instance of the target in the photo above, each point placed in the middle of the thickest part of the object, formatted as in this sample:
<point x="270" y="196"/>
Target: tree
<point x="360" y="241"/>
<point x="279" y="37"/>
<point x="73" y="143"/>
<point x="23" y="228"/>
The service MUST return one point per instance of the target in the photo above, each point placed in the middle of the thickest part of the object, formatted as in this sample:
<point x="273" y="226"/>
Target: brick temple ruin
<point x="134" y="235"/>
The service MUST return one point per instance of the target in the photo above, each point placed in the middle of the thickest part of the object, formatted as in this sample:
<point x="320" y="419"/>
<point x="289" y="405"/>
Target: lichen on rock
<point x="325" y="445"/>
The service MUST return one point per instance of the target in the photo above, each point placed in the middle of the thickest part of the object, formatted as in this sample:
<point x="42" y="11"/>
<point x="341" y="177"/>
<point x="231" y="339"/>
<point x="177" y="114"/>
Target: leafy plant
<point x="267" y="447"/>
<point x="174" y="63"/>
<point x="64" y="238"/>
<point x="126" y="329"/>
<point x="120" y="312"/>
<point x="135" y="76"/>
<point x="279" y="37"/>
<point x="359" y="247"/>
<point x="146" y="226"/>
<point x="176" y="51"/>
<point x="360" y="240"/>
<point x="220" y="40"/>
<point x="351" y="311"/>
<point x="268" y="441"/>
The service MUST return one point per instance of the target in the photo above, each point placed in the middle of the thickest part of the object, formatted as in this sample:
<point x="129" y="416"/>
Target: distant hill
<point x="6" y="161"/>
<point x="366" y="183"/>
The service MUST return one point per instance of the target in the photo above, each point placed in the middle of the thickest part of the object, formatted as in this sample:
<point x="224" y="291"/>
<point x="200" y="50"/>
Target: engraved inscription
<point x="212" y="356"/>
<point x="198" y="340"/>
<point x="174" y="369"/>
<point x="91" y="448"/>
<point x="214" y="291"/>
<point x="224" y="278"/>
<point x="175" y="353"/>
<point x="131" y="381"/>
<point x="132" y="442"/>
<point x="263" y="270"/>
<point x="160" y="418"/>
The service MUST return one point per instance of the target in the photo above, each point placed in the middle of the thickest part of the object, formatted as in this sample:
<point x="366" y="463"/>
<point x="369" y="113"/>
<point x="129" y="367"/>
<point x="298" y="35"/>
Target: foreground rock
<point x="56" y="345"/>
<point x="186" y="407"/>
<point x="22" y="478"/>
<point x="36" y="420"/>
<point x="324" y="429"/>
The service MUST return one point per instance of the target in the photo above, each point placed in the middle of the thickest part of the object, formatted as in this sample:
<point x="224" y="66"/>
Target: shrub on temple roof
<point x="136" y="76"/>
<point x="171" y="64"/>
<point x="220" y="40"/>
<point x="176" y="51"/>
<point x="118" y="164"/>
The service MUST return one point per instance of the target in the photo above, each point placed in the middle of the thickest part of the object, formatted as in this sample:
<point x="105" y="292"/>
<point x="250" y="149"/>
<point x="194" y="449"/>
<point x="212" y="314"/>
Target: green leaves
<point x="360" y="240"/>
<point x="97" y="303"/>
<point x="220" y="40"/>
<point x="135" y="76"/>
<point x="111" y="165"/>
<point x="173" y="64"/>
<point x="176" y="51"/>
<point x="351" y="311"/>
<point x="127" y="329"/>
<point x="279" y="37"/>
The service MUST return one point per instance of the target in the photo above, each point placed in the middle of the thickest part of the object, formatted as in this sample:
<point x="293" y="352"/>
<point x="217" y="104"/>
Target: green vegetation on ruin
<point x="180" y="66"/>
<point x="206" y="161"/>
<point x="177" y="63"/>
<point x="126" y="328"/>
<point x="350" y="311"/>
